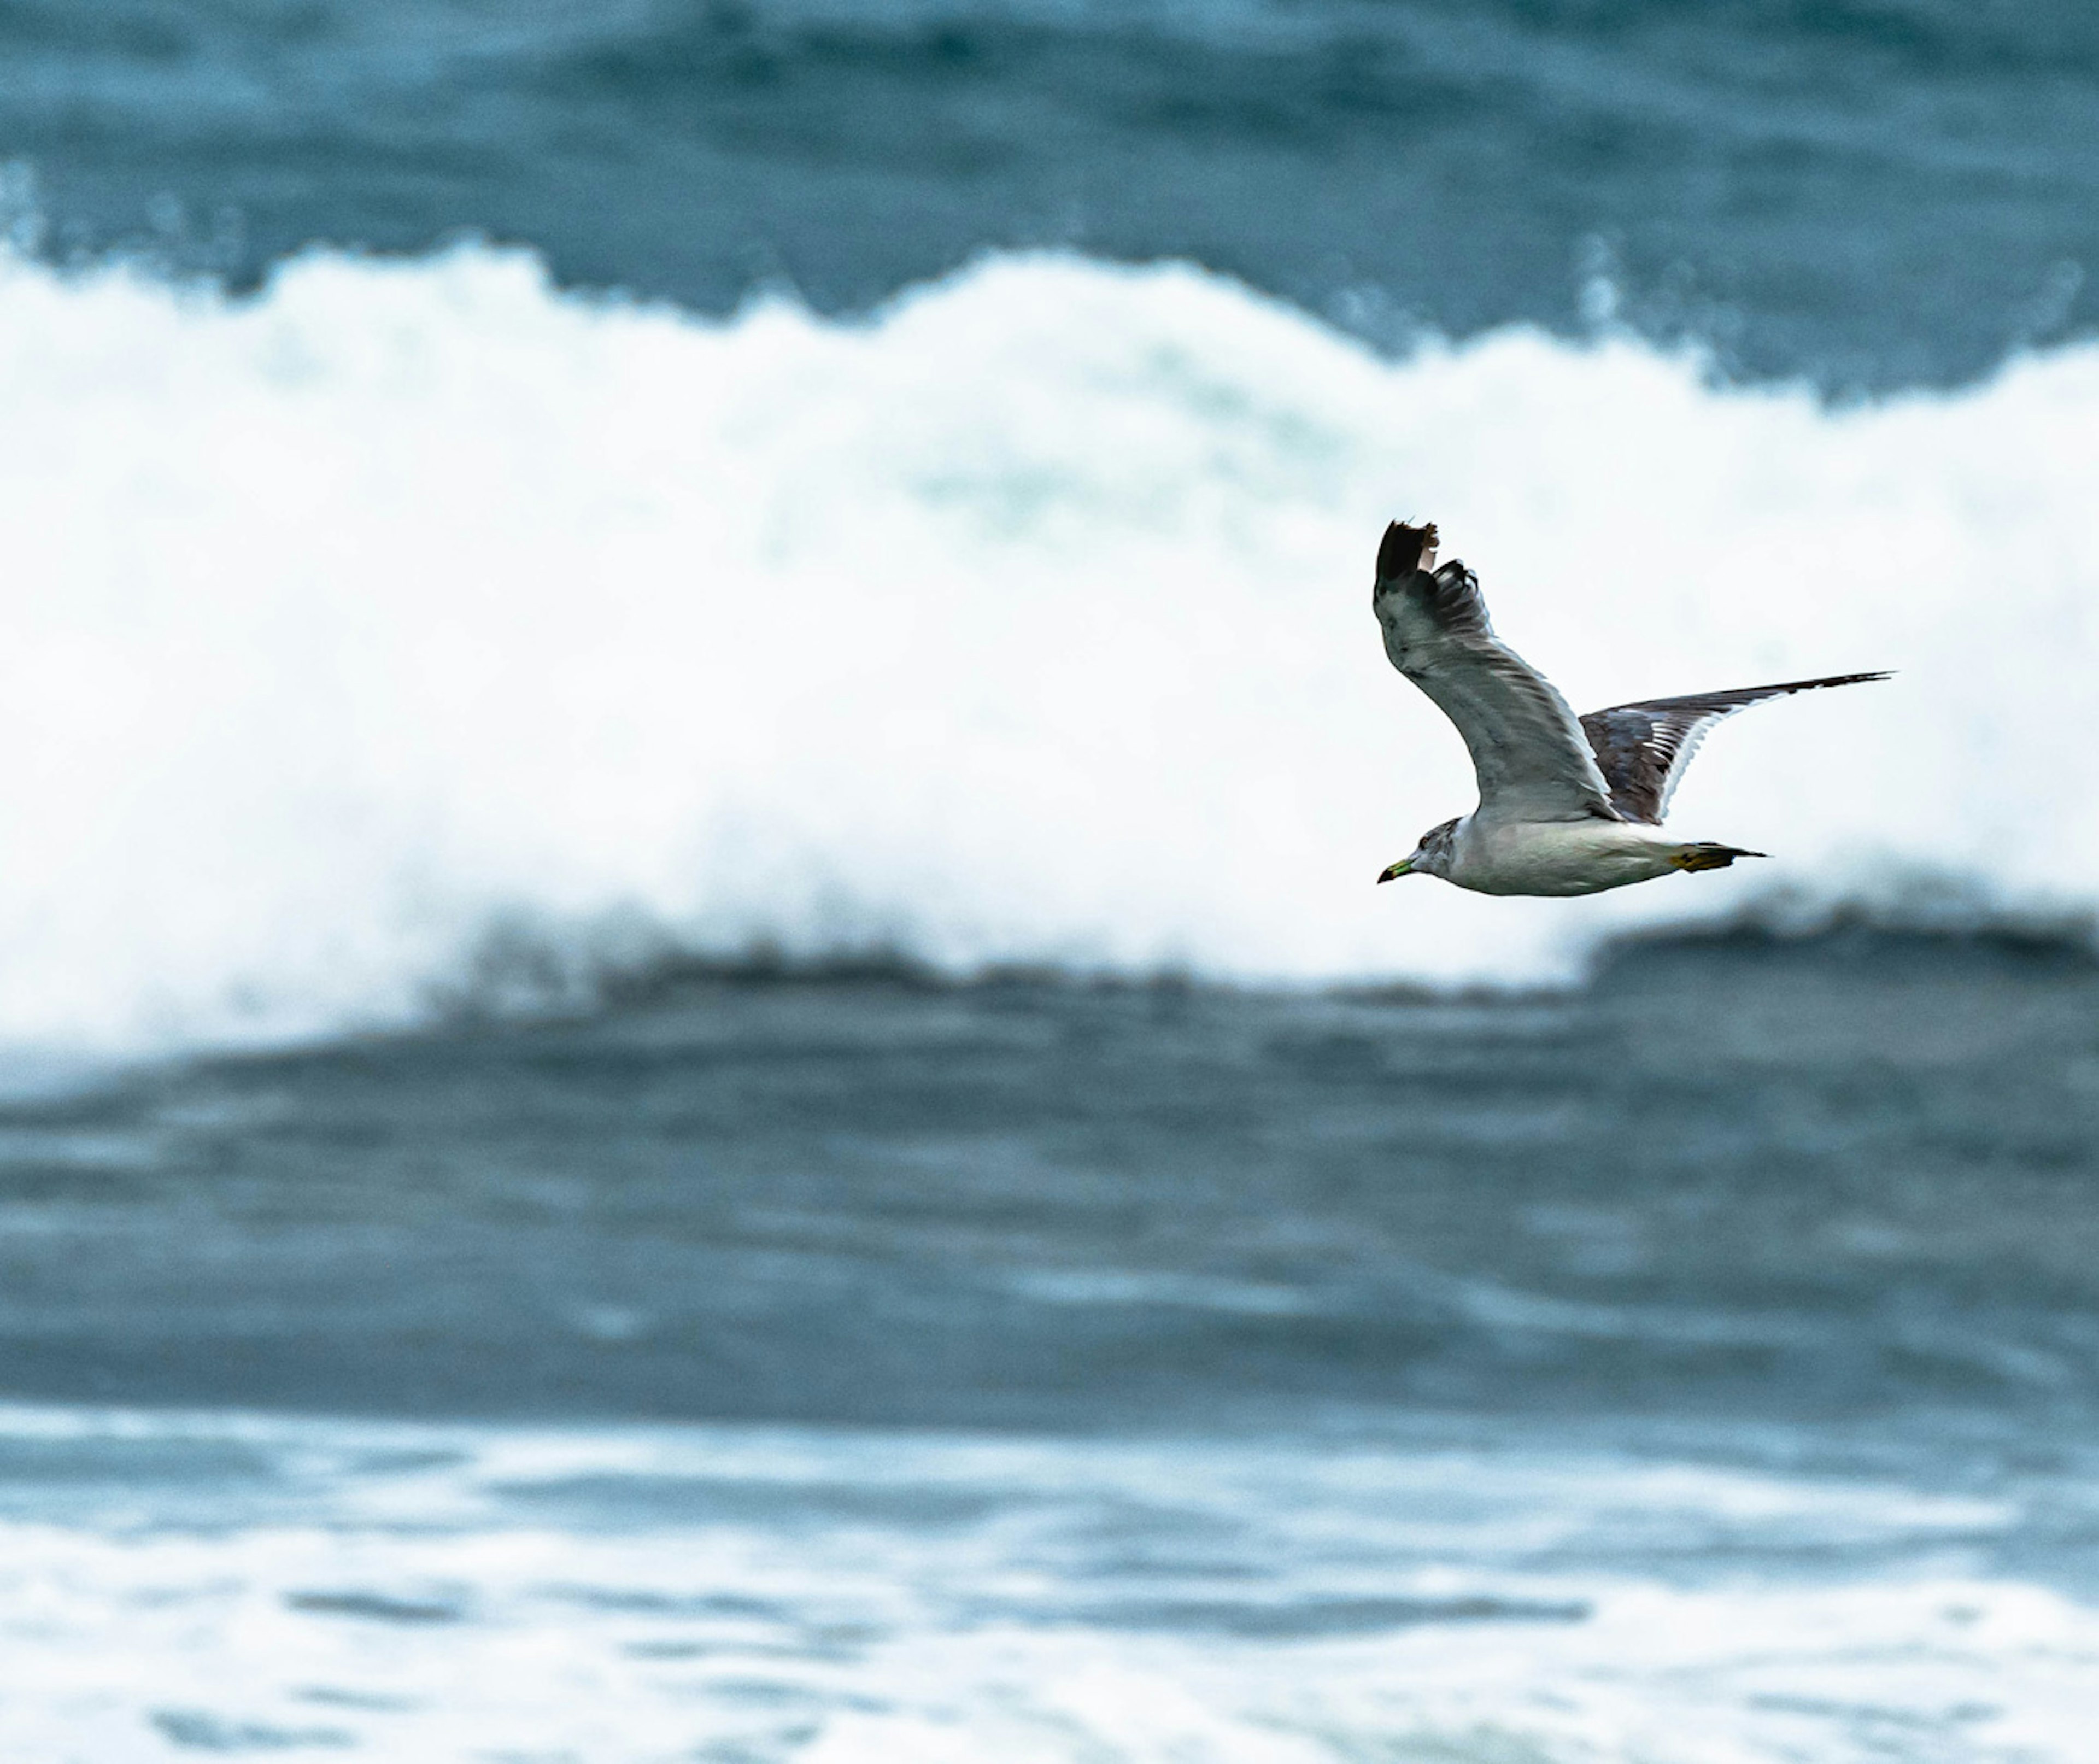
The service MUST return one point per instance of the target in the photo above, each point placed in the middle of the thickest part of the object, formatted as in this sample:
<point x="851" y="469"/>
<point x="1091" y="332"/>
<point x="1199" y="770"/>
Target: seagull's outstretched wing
<point x="1643" y="749"/>
<point x="1528" y="751"/>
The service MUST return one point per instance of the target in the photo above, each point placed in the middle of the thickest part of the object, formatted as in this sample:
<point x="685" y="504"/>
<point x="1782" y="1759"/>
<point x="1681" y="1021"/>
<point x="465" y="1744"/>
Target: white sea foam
<point x="1026" y="621"/>
<point x="439" y="1593"/>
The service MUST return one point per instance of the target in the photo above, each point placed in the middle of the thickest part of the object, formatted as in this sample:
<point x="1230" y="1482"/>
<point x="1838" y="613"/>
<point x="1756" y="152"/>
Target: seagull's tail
<point x="1706" y="855"/>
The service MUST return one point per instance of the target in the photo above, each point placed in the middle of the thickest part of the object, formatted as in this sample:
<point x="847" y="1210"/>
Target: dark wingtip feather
<point x="1848" y="679"/>
<point x="1827" y="679"/>
<point x="1399" y="554"/>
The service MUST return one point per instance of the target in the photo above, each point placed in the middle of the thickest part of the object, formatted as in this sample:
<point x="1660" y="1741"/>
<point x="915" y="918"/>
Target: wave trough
<point x="1025" y="621"/>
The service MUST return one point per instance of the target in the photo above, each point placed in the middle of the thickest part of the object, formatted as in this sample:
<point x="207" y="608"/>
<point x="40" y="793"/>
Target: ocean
<point x="697" y="1061"/>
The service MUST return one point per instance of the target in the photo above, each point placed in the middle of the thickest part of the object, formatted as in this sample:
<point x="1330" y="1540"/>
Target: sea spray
<point x="1024" y="620"/>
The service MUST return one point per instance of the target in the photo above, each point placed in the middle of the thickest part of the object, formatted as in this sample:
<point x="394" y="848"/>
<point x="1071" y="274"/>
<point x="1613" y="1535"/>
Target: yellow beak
<point x="1403" y="867"/>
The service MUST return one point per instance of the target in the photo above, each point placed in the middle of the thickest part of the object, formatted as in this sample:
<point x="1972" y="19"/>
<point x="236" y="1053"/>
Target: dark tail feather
<point x="1706" y="855"/>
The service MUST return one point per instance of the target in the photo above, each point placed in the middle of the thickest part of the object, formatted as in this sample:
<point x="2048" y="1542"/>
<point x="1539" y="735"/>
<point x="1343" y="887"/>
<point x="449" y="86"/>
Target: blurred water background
<point x="696" y="1058"/>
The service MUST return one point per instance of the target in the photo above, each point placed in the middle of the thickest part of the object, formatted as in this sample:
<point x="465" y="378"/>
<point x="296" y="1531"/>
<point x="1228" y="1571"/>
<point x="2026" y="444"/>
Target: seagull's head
<point x="1431" y="857"/>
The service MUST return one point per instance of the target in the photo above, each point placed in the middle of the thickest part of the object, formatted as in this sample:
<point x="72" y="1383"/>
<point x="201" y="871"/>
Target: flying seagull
<point x="1567" y="806"/>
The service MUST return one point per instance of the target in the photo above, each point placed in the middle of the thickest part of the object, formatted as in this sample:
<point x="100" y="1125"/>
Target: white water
<point x="172" y="1584"/>
<point x="1027" y="621"/>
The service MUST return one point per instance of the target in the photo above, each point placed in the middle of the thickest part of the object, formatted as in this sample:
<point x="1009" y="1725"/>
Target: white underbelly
<point x="1578" y="857"/>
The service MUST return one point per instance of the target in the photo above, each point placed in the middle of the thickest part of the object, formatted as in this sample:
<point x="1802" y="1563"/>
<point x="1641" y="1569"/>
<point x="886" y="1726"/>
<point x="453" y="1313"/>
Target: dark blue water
<point x="853" y="1366"/>
<point x="1869" y="195"/>
<point x="1849" y="1180"/>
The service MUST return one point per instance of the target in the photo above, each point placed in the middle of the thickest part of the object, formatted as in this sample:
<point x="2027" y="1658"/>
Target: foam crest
<point x="1027" y="620"/>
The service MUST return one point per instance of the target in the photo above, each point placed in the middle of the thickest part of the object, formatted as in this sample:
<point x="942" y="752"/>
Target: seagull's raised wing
<point x="1643" y="749"/>
<point x="1528" y="751"/>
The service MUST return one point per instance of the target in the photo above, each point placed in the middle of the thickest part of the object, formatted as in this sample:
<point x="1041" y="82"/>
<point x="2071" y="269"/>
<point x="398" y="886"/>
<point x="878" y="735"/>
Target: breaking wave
<point x="1024" y="621"/>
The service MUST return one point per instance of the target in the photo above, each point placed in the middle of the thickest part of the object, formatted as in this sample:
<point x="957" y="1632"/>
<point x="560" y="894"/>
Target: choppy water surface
<point x="441" y="1592"/>
<point x="1043" y="1372"/>
<point x="1741" y="1178"/>
<point x="517" y="517"/>
<point x="1870" y="195"/>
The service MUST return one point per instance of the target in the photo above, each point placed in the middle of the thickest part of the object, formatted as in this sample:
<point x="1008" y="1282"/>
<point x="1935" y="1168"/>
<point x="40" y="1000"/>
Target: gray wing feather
<point x="1529" y="754"/>
<point x="1643" y="750"/>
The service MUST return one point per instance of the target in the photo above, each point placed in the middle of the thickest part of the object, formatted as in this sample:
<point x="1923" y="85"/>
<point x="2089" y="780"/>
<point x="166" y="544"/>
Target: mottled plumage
<point x="1563" y="801"/>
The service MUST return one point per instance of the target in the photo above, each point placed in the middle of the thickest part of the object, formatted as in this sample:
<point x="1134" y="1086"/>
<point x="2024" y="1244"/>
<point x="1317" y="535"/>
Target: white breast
<point x="1580" y="857"/>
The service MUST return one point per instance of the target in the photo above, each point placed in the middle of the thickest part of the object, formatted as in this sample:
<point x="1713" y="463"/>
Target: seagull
<point x="1567" y="806"/>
